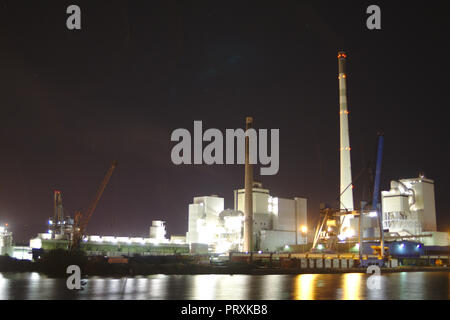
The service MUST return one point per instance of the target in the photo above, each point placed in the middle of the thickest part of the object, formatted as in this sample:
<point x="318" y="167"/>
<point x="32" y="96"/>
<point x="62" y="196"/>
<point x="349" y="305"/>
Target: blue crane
<point x="376" y="190"/>
<point x="375" y="204"/>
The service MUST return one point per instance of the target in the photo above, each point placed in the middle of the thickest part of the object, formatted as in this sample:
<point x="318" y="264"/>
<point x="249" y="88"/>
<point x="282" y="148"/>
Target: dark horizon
<point x="73" y="101"/>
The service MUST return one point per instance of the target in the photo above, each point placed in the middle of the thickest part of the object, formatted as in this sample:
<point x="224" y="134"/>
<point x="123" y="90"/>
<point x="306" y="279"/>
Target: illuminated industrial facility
<point x="112" y="246"/>
<point x="406" y="216"/>
<point x="409" y="210"/>
<point x="277" y="222"/>
<point x="404" y="219"/>
<point x="5" y="241"/>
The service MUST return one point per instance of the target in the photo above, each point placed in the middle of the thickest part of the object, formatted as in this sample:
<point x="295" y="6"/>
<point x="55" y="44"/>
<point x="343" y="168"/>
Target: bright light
<point x="50" y="222"/>
<point x="320" y="247"/>
<point x="45" y="236"/>
<point x="36" y="243"/>
<point x="357" y="246"/>
<point x="233" y="224"/>
<point x="304" y="229"/>
<point x="259" y="251"/>
<point x="401" y="246"/>
<point x="373" y="214"/>
<point x="22" y="254"/>
<point x="418" y="246"/>
<point x="347" y="233"/>
<point x="286" y="247"/>
<point x="223" y="247"/>
<point x="273" y="205"/>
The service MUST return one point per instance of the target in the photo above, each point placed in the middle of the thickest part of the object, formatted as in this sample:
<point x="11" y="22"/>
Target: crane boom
<point x="376" y="191"/>
<point x="82" y="220"/>
<point x="376" y="188"/>
<point x="95" y="201"/>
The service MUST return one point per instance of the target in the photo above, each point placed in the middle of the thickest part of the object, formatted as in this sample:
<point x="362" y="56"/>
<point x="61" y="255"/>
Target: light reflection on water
<point x="353" y="286"/>
<point x="304" y="288"/>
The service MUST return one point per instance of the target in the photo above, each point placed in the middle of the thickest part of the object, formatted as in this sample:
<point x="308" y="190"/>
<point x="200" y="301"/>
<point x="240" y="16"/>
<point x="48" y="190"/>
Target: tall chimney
<point x="346" y="190"/>
<point x="248" y="201"/>
<point x="58" y="208"/>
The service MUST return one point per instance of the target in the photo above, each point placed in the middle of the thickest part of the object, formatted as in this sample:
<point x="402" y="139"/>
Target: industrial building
<point x="6" y="244"/>
<point x="211" y="225"/>
<point x="406" y="218"/>
<point x="156" y="243"/>
<point x="68" y="234"/>
<point x="409" y="211"/>
<point x="277" y="222"/>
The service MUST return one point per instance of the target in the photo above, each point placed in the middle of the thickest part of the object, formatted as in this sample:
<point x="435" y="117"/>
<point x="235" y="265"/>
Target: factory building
<point x="156" y="243"/>
<point x="409" y="210"/>
<point x="158" y="230"/>
<point x="6" y="247"/>
<point x="203" y="219"/>
<point x="277" y="222"/>
<point x="212" y="226"/>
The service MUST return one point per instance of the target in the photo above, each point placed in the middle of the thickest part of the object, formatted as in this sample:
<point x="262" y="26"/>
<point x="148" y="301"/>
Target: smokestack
<point x="248" y="201"/>
<point x="58" y="209"/>
<point x="346" y="191"/>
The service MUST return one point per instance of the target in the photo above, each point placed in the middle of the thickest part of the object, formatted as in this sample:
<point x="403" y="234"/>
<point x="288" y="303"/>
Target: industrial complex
<point x="395" y="224"/>
<point x="277" y="222"/>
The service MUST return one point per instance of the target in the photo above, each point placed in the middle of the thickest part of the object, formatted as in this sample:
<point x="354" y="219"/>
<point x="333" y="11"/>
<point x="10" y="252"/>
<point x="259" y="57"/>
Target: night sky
<point x="72" y="101"/>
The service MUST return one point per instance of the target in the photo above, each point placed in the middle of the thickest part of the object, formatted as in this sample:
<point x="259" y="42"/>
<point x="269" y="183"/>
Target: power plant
<point x="402" y="223"/>
<point x="277" y="222"/>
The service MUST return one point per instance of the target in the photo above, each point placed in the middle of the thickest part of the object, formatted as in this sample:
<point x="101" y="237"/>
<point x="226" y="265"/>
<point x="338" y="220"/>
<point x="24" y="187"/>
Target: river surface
<point x="353" y="286"/>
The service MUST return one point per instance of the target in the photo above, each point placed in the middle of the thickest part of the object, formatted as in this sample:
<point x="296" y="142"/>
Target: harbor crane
<point x="82" y="219"/>
<point x="327" y="230"/>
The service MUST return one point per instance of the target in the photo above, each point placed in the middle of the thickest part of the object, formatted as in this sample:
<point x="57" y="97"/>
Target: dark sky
<point x="72" y="101"/>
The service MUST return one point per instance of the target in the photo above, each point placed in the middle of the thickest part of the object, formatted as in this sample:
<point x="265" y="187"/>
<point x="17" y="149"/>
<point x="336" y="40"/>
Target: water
<point x="405" y="285"/>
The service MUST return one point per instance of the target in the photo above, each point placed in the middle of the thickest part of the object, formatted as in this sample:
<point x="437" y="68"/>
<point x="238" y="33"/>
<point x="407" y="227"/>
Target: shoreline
<point x="218" y="270"/>
<point x="349" y="270"/>
<point x="58" y="267"/>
